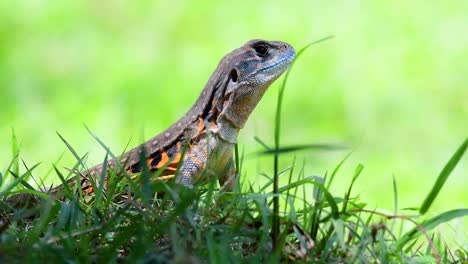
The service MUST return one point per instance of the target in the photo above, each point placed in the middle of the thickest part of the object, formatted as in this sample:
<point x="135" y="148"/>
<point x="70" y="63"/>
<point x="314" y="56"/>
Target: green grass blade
<point x="289" y="182"/>
<point x="395" y="201"/>
<point x="24" y="182"/>
<point x="104" y="146"/>
<point x="444" y="174"/>
<point x="261" y="142"/>
<point x="317" y="208"/>
<point x="66" y="188"/>
<point x="17" y="181"/>
<point x="237" y="163"/>
<point x="357" y="172"/>
<point x="14" y="163"/>
<point x="395" y="196"/>
<point x="289" y="149"/>
<point x="145" y="185"/>
<point x="337" y="168"/>
<point x="8" y="170"/>
<point x="33" y="192"/>
<point x="40" y="225"/>
<point x="118" y="164"/>
<point x="102" y="179"/>
<point x="15" y="151"/>
<point x="331" y="201"/>
<point x="270" y="180"/>
<point x="430" y="224"/>
<point x="49" y="171"/>
<point x="72" y="150"/>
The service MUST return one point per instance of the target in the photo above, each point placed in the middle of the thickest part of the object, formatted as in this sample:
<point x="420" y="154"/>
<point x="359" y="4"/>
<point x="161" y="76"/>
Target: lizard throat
<point x="225" y="130"/>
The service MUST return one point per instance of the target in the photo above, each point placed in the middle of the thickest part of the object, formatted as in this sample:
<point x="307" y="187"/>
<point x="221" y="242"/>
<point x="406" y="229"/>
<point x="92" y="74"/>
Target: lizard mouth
<point x="281" y="63"/>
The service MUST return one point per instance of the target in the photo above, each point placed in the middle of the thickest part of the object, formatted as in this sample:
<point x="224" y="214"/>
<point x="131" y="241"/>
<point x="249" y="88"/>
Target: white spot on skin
<point x="155" y="142"/>
<point x="167" y="134"/>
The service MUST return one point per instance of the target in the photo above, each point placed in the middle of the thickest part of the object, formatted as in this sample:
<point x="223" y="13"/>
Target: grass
<point x="203" y="225"/>
<point x="129" y="222"/>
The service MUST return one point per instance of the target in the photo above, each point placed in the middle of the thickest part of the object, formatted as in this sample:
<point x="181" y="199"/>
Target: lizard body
<point x="210" y="128"/>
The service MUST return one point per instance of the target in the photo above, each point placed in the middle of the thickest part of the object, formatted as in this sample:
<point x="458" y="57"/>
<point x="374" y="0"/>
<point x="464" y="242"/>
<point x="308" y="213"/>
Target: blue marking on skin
<point x="288" y="56"/>
<point x="193" y="165"/>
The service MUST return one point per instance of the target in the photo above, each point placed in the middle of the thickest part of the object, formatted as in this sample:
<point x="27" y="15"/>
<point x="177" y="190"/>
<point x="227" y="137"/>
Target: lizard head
<point x="251" y="69"/>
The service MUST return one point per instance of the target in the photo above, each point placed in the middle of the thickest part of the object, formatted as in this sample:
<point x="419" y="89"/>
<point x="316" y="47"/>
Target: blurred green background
<point x="392" y="84"/>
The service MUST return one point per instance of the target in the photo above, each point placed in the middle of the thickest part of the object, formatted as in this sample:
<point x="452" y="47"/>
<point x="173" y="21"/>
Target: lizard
<point x="210" y="128"/>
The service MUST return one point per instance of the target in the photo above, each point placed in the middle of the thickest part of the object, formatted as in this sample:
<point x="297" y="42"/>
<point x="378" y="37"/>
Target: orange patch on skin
<point x="214" y="111"/>
<point x="201" y="126"/>
<point x="196" y="149"/>
<point x="197" y="161"/>
<point x="88" y="190"/>
<point x="201" y="167"/>
<point x="148" y="162"/>
<point x="212" y="124"/>
<point x="169" y="171"/>
<point x="164" y="159"/>
<point x="176" y="160"/>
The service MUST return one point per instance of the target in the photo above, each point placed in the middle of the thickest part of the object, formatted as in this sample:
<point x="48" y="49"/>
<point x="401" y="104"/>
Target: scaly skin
<point x="211" y="126"/>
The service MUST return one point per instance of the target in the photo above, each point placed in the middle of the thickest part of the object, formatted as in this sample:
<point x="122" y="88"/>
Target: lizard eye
<point x="233" y="75"/>
<point x="261" y="50"/>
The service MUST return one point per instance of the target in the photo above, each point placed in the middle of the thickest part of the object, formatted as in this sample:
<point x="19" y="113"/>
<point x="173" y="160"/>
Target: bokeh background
<point x="391" y="84"/>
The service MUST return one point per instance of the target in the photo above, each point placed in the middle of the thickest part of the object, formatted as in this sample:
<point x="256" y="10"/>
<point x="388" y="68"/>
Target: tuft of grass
<point x="123" y="224"/>
<point x="444" y="174"/>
